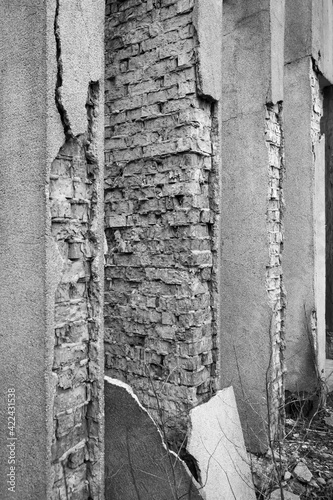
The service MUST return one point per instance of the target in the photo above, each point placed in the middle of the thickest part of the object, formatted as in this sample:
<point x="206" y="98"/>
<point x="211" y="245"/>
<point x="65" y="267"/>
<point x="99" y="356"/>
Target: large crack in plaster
<point x="58" y="90"/>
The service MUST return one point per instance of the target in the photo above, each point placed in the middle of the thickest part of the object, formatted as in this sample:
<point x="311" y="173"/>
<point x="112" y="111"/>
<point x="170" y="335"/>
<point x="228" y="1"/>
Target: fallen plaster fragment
<point x="216" y="441"/>
<point x="138" y="463"/>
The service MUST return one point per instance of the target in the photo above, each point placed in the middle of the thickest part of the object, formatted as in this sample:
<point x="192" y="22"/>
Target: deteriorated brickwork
<point x="73" y="197"/>
<point x="274" y="275"/>
<point x="160" y="208"/>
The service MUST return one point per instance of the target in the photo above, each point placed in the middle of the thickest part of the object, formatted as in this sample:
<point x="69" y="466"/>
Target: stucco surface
<point x="320" y="253"/>
<point x="245" y="310"/>
<point x="309" y="33"/>
<point x="322" y="41"/>
<point x="298" y="259"/>
<point x="23" y="160"/>
<point x="298" y="34"/>
<point x="207" y="19"/>
<point x="81" y="57"/>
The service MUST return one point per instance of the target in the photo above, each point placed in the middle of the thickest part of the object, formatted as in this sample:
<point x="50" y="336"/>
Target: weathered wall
<point x="305" y="228"/>
<point x="51" y="209"/>
<point x="161" y="202"/>
<point x="252" y="300"/>
<point x="309" y="33"/>
<point x="23" y="309"/>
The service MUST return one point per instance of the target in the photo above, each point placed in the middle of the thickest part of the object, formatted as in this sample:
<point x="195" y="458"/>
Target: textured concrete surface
<point x="246" y="313"/>
<point x="216" y="441"/>
<point x="81" y="32"/>
<point x="322" y="37"/>
<point x="298" y="29"/>
<point x="309" y="33"/>
<point x="137" y="462"/>
<point x="207" y="21"/>
<point x="298" y="258"/>
<point x="319" y="229"/>
<point x="277" y="14"/>
<point x="23" y="307"/>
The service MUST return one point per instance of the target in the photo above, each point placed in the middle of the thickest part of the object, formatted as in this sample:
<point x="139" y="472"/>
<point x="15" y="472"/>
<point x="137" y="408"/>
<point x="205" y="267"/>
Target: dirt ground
<point x="303" y="462"/>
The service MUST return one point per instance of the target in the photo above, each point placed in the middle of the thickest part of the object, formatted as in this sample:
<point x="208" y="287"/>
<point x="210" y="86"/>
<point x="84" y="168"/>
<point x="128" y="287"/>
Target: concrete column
<point x="251" y="283"/>
<point x="43" y="58"/>
<point x="308" y="69"/>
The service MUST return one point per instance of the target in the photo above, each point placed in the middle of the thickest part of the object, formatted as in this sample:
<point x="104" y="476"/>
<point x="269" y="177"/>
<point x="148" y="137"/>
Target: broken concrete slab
<point x="216" y="441"/>
<point x="138" y="464"/>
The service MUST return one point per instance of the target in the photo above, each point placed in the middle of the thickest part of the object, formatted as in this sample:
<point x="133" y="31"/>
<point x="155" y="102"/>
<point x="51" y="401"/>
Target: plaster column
<point x="308" y="70"/>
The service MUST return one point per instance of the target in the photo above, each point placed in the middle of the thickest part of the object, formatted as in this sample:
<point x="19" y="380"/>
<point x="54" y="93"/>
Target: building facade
<point x="217" y="220"/>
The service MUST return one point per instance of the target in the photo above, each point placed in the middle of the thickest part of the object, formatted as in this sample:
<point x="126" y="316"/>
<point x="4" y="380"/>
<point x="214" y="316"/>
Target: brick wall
<point x="73" y="201"/>
<point x="161" y="209"/>
<point x="274" y="274"/>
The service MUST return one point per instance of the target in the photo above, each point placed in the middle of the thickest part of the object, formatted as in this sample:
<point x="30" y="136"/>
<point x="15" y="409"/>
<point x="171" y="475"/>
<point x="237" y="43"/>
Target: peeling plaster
<point x="79" y="34"/>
